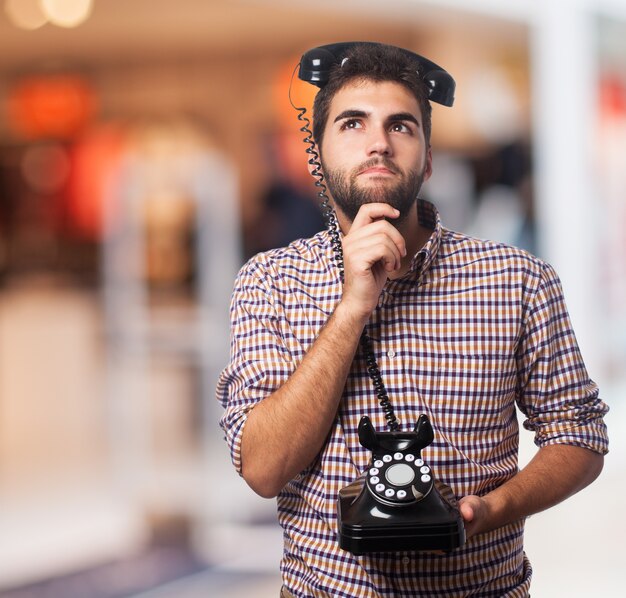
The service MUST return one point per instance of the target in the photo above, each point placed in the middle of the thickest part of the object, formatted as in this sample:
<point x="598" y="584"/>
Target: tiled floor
<point x="225" y="584"/>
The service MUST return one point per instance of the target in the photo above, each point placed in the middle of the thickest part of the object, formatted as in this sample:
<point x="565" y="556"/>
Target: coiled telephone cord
<point x="330" y="219"/>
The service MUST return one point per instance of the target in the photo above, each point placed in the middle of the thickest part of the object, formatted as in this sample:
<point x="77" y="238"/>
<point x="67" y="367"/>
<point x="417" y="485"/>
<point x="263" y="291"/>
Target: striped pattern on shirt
<point x="473" y="329"/>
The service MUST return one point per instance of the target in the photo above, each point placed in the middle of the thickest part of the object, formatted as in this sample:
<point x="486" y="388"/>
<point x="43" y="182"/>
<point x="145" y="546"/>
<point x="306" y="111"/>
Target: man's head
<point x="374" y="147"/>
<point x="376" y="63"/>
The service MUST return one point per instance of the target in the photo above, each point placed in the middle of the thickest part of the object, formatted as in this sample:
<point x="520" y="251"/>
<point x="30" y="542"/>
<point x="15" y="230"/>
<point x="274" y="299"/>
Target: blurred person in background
<point x="288" y="208"/>
<point x="463" y="330"/>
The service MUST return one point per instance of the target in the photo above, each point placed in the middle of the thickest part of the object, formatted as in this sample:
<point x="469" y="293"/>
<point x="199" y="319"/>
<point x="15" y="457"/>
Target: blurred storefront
<point x="146" y="152"/>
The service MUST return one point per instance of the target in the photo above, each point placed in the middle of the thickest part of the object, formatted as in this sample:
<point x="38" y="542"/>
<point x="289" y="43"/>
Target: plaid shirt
<point x="473" y="329"/>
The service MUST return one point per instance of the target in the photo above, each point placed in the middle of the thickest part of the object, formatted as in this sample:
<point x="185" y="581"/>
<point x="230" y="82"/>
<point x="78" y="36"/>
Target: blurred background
<point x="147" y="148"/>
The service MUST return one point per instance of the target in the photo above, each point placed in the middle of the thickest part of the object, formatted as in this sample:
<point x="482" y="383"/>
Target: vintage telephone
<point x="316" y="65"/>
<point x="396" y="504"/>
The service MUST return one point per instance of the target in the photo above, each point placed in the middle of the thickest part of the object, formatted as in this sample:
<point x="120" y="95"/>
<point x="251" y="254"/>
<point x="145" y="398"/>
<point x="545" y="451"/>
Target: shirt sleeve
<point x="259" y="362"/>
<point x="555" y="392"/>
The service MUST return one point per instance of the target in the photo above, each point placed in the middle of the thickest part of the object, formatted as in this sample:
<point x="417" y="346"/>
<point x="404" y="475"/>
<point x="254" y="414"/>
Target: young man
<point x="463" y="330"/>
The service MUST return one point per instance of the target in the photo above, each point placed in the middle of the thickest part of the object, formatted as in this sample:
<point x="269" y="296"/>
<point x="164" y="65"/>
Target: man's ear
<point x="428" y="167"/>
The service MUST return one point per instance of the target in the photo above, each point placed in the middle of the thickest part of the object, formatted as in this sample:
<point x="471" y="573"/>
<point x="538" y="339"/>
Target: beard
<point x="349" y="196"/>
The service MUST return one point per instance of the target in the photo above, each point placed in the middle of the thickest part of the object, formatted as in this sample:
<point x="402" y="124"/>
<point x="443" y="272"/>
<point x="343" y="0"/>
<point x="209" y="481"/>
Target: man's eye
<point x="400" y="128"/>
<point x="351" y="124"/>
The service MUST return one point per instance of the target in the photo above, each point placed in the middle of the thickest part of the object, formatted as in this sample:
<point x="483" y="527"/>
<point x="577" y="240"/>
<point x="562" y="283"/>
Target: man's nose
<point x="379" y="143"/>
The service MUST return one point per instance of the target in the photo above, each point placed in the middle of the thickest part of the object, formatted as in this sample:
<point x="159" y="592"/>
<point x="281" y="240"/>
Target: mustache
<point x="375" y="162"/>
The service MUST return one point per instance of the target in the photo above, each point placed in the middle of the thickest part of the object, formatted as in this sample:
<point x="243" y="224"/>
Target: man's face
<point x="373" y="148"/>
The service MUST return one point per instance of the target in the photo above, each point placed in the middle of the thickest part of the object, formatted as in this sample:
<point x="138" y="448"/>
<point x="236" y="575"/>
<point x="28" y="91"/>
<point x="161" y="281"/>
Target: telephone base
<point x="365" y="525"/>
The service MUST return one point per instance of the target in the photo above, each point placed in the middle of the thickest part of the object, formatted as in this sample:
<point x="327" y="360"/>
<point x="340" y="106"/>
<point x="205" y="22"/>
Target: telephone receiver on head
<point x="317" y="63"/>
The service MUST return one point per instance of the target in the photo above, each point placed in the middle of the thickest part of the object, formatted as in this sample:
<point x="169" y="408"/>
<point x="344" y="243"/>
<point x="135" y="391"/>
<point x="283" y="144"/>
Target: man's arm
<point x="286" y="430"/>
<point x="563" y="410"/>
<point x="555" y="473"/>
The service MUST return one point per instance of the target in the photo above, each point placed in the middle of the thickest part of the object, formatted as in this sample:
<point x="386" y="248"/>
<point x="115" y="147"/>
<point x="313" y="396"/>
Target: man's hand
<point x="555" y="473"/>
<point x="475" y="512"/>
<point x="373" y="249"/>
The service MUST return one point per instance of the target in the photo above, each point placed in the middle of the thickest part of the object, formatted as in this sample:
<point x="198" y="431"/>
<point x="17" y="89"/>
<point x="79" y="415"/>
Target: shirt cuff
<point x="233" y="424"/>
<point x="591" y="435"/>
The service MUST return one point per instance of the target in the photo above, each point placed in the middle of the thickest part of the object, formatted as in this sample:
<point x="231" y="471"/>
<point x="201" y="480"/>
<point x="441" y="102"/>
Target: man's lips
<point x="377" y="170"/>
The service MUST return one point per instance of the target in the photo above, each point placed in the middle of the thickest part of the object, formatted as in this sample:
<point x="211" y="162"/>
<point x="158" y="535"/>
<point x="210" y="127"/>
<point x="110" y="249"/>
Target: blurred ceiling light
<point x="67" y="13"/>
<point x="25" y="14"/>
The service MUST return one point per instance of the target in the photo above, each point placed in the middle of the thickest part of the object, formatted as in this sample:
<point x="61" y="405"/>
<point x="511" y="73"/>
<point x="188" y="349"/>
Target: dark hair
<point x="378" y="63"/>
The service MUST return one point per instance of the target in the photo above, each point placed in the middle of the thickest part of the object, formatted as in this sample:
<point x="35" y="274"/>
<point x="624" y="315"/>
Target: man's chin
<point x="377" y="192"/>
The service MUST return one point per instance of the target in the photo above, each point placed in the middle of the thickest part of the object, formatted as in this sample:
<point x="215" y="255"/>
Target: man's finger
<point x="371" y="212"/>
<point x="371" y="249"/>
<point x="467" y="511"/>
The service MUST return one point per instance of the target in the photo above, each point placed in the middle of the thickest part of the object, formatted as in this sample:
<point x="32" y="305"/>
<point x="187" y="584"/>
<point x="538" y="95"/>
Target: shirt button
<point x="406" y="560"/>
<point x="391" y="353"/>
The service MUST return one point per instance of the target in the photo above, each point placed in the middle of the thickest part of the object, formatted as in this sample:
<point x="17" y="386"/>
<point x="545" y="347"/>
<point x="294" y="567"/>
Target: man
<point x="462" y="330"/>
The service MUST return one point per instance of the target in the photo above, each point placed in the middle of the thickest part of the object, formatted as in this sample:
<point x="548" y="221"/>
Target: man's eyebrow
<point x="353" y="113"/>
<point x="350" y="114"/>
<point x="403" y="116"/>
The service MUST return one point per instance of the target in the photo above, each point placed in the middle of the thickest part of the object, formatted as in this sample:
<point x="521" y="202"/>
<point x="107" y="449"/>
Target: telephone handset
<point x="397" y="504"/>
<point x="316" y="65"/>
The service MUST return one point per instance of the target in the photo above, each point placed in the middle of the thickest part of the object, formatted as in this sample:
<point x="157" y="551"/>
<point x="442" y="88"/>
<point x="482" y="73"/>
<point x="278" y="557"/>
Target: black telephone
<point x="316" y="65"/>
<point x="396" y="504"/>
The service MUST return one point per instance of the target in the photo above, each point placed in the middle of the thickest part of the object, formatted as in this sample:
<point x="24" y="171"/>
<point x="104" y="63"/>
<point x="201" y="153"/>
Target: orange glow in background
<point x="51" y="106"/>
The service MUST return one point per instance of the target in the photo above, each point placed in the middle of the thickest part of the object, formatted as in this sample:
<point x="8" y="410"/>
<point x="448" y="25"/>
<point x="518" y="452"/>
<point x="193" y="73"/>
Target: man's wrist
<point x="497" y="509"/>
<point x="346" y="314"/>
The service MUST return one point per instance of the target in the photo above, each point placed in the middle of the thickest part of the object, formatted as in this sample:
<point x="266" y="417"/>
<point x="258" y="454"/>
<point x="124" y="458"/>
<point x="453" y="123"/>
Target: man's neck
<point x="415" y="236"/>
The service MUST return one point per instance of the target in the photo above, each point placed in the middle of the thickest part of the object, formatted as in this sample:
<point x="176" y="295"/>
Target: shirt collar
<point x="428" y="217"/>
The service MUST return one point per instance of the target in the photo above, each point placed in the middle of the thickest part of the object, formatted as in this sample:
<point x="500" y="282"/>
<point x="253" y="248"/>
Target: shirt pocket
<point x="473" y="393"/>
